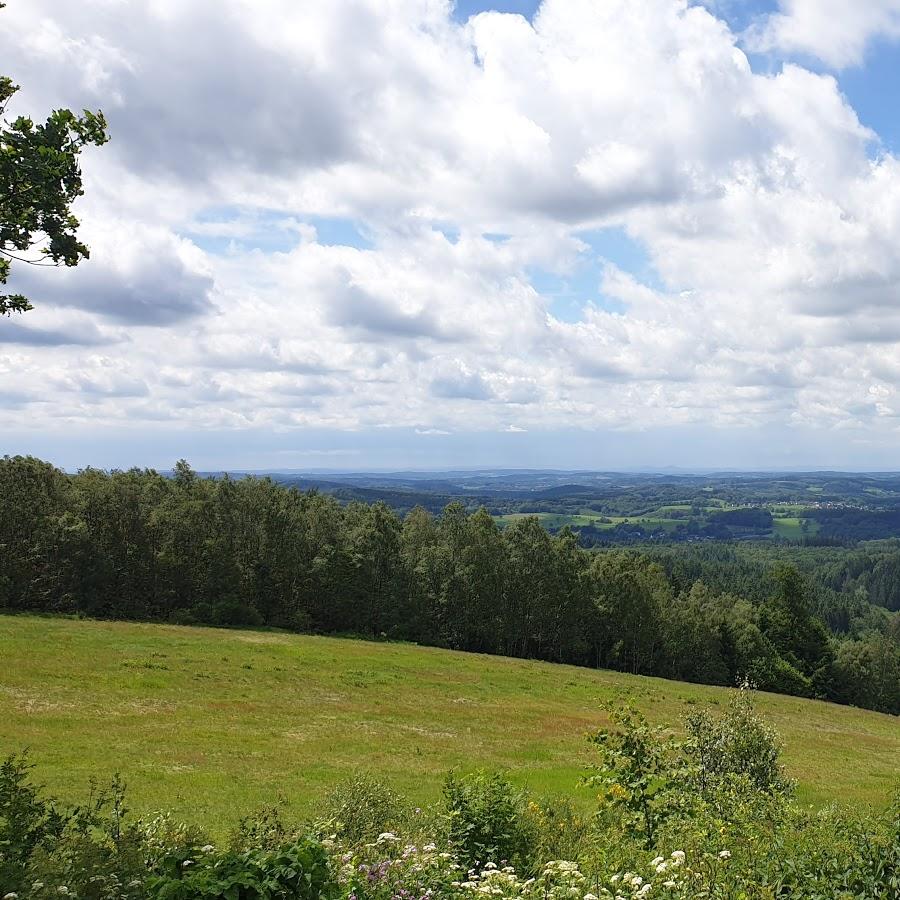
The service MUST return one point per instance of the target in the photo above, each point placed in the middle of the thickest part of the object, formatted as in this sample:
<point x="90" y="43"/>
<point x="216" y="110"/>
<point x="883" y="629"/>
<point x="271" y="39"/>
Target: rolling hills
<point x="215" y="723"/>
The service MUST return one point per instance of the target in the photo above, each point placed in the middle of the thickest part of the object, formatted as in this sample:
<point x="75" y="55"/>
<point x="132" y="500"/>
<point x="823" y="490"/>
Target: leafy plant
<point x="298" y="870"/>
<point x="486" y="821"/>
<point x="26" y="819"/>
<point x="737" y="743"/>
<point x="637" y="772"/>
<point x="359" y="809"/>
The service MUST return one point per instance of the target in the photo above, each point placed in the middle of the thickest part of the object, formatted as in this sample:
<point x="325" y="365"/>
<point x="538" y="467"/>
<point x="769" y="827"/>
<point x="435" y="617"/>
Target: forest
<point x="248" y="552"/>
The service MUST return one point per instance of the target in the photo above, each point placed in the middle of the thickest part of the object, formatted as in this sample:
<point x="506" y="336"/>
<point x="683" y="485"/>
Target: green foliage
<point x="731" y="832"/>
<point x="637" y="772"/>
<point x="92" y="854"/>
<point x="737" y="743"/>
<point x="359" y="809"/>
<point x="557" y="828"/>
<point x="40" y="178"/>
<point x="300" y="870"/>
<point x="250" y="553"/>
<point x="26" y="820"/>
<point x="485" y="818"/>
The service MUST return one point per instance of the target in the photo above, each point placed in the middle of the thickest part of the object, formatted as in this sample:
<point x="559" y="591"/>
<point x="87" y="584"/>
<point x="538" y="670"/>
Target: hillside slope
<point x="214" y="723"/>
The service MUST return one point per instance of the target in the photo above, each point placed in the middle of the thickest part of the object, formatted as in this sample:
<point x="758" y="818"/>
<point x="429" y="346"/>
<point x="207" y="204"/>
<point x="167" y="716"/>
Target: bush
<point x="95" y="856"/>
<point x="361" y="808"/>
<point x="637" y="774"/>
<point x="298" y="870"/>
<point x="26" y="819"/>
<point x="486" y="821"/>
<point x="737" y="743"/>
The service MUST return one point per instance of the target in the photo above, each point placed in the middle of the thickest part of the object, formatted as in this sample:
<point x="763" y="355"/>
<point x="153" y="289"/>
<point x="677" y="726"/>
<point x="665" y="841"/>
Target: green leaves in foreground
<point x="299" y="870"/>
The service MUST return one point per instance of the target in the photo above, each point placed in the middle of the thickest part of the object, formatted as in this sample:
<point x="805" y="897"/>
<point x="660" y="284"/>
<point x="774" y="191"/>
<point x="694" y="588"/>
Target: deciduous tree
<point x="40" y="178"/>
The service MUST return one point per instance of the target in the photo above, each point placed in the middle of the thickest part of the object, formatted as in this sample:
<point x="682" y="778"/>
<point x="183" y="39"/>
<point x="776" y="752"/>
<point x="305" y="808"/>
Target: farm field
<point x="215" y="723"/>
<point x="786" y="523"/>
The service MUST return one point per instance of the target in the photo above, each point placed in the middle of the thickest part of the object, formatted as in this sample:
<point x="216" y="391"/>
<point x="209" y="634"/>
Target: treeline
<point x="185" y="549"/>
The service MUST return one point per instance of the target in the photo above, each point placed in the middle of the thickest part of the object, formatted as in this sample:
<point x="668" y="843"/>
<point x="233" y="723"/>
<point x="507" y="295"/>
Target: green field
<point x="786" y="523"/>
<point x="791" y="527"/>
<point x="215" y="723"/>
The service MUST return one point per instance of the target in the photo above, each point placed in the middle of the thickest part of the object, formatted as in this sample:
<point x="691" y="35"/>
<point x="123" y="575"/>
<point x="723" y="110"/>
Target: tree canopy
<point x="40" y="178"/>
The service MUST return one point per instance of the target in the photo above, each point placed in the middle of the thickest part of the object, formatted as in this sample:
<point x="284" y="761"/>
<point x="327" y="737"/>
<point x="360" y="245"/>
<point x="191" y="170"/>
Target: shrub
<point x="298" y="870"/>
<point x="737" y="743"/>
<point x="361" y="808"/>
<point x="556" y="829"/>
<point x="96" y="856"/>
<point x="264" y="830"/>
<point x="637" y="772"/>
<point x="26" y="819"/>
<point x="486" y="821"/>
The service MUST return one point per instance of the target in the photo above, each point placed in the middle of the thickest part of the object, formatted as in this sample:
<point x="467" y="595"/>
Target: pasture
<point x="215" y="723"/>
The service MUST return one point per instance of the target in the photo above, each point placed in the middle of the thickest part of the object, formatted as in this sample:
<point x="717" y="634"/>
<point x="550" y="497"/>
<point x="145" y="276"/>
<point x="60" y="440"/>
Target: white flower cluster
<point x="559" y="880"/>
<point x="676" y="879"/>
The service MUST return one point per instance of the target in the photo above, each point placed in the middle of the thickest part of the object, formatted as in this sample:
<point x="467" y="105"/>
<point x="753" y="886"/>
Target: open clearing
<point x="213" y="723"/>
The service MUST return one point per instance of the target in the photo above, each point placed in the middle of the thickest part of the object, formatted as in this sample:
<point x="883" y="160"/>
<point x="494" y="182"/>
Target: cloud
<point x="765" y="215"/>
<point x="373" y="318"/>
<point x="460" y="385"/>
<point x="835" y="31"/>
<point x="137" y="275"/>
<point x="82" y="334"/>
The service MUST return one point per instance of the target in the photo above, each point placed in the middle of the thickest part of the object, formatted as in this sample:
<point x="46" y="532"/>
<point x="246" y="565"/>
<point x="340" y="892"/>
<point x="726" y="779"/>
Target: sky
<point x="387" y="234"/>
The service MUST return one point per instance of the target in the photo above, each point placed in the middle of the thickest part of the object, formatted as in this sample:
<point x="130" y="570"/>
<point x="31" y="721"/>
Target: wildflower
<point x="661" y="867"/>
<point x="490" y="865"/>
<point x="207" y="848"/>
<point x="724" y="854"/>
<point x="590" y="897"/>
<point x="670" y="884"/>
<point x="656" y="861"/>
<point x="616" y="877"/>
<point x="678" y="857"/>
<point x="645" y="890"/>
<point x="430" y="848"/>
<point x="62" y="889"/>
<point x="386" y="837"/>
<point x="12" y="895"/>
<point x="186" y="863"/>
<point x="37" y="885"/>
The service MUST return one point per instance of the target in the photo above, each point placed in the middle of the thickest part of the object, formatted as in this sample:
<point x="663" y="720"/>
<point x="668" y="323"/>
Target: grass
<point x="791" y="527"/>
<point x="213" y="724"/>
<point x="786" y="523"/>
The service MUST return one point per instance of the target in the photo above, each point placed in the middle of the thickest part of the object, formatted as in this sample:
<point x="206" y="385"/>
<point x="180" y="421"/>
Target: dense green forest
<point x="186" y="549"/>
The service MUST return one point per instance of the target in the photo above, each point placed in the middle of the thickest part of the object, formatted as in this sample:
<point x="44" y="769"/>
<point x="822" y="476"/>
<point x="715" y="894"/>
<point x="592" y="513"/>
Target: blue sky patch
<point x="464" y="9"/>
<point x="225" y="230"/>
<point x="569" y="294"/>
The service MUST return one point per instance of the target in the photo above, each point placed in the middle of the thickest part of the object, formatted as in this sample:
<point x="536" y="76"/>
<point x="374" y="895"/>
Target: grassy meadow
<point x="215" y="723"/>
<point x="786" y="523"/>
